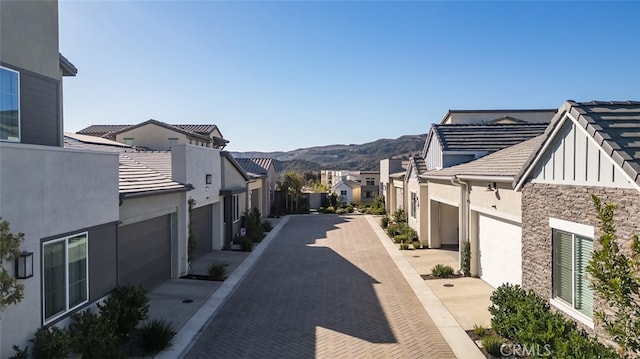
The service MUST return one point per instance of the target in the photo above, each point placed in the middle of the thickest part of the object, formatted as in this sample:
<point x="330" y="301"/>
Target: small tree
<point x="616" y="279"/>
<point x="11" y="292"/>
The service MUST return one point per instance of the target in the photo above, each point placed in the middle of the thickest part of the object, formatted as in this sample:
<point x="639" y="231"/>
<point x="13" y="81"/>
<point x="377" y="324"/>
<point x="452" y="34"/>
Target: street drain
<point x="416" y="256"/>
<point x="186" y="301"/>
<point x="448" y="285"/>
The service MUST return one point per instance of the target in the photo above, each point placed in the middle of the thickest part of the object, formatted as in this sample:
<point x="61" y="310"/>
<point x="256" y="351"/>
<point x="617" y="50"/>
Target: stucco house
<point x="477" y="201"/>
<point x="589" y="148"/>
<point x="348" y="190"/>
<point x="233" y="189"/>
<point x="369" y="186"/>
<point x="263" y="182"/>
<point x="159" y="136"/>
<point x="64" y="201"/>
<point x="392" y="172"/>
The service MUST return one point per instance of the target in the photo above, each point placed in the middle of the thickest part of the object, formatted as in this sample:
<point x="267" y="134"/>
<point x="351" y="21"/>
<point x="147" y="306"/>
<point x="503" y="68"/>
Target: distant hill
<point x="364" y="157"/>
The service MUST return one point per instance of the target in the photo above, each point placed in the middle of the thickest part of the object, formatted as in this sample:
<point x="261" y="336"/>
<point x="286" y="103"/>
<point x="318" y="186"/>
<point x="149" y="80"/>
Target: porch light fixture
<point x="24" y="265"/>
<point x="491" y="186"/>
<point x="207" y="179"/>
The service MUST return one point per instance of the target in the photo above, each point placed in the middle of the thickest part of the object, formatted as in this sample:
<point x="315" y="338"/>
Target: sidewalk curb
<point x="456" y="337"/>
<point x="192" y="330"/>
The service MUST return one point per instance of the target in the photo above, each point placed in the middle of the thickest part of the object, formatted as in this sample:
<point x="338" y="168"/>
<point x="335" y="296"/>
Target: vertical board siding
<point x="102" y="260"/>
<point x="433" y="158"/>
<point x="572" y="158"/>
<point x="39" y="110"/>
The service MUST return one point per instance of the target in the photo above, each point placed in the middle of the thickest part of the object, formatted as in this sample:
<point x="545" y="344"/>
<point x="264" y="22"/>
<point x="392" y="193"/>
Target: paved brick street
<point x="325" y="288"/>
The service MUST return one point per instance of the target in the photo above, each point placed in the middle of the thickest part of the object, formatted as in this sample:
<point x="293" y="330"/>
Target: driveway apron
<point x="324" y="288"/>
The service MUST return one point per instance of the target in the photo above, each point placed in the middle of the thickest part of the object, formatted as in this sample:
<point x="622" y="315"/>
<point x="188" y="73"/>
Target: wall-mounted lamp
<point x="207" y="179"/>
<point x="417" y="201"/>
<point x="491" y="186"/>
<point x="24" y="265"/>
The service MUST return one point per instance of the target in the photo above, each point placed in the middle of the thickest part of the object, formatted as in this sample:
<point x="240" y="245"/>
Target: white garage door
<point x="500" y="251"/>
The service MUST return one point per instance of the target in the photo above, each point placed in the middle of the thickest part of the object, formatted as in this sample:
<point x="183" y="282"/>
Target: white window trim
<point x="66" y="278"/>
<point x="413" y="197"/>
<point x="580" y="230"/>
<point x="19" y="111"/>
<point x="572" y="227"/>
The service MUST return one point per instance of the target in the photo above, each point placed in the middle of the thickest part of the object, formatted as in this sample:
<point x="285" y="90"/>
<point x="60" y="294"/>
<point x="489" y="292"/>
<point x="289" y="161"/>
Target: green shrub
<point x="384" y="221"/>
<point x="329" y="210"/>
<point x="156" y="336"/>
<point x="341" y="211"/>
<point x="404" y="246"/>
<point x="400" y="216"/>
<point x="480" y="331"/>
<point x="391" y="229"/>
<point x="92" y="336"/>
<point x="441" y="271"/>
<point x="411" y="233"/>
<point x="217" y="271"/>
<point x="417" y="245"/>
<point x="19" y="353"/>
<point x="526" y="318"/>
<point x="50" y="343"/>
<point x="321" y="209"/>
<point x="400" y="238"/>
<point x="466" y="259"/>
<point x="126" y="308"/>
<point x="492" y="344"/>
<point x="246" y="244"/>
<point x="266" y="226"/>
<point x="379" y="211"/>
<point x="350" y="209"/>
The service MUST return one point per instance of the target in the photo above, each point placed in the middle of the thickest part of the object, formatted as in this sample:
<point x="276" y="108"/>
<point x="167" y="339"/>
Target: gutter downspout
<point x="464" y="216"/>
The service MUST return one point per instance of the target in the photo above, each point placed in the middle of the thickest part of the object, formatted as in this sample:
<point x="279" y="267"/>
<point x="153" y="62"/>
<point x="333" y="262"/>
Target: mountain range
<point x="363" y="157"/>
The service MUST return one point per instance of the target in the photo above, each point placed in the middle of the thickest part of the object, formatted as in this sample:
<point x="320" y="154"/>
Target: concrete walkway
<point x="323" y="286"/>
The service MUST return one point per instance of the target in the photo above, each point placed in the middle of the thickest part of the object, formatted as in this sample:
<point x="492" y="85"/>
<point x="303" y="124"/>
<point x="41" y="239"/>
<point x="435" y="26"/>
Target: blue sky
<point x="285" y="75"/>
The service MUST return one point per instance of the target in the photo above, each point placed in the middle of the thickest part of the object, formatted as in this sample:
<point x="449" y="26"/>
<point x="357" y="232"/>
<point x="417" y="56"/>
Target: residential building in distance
<point x="262" y="185"/>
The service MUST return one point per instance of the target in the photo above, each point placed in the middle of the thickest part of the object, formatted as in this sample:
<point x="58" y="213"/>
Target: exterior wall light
<point x="24" y="265"/>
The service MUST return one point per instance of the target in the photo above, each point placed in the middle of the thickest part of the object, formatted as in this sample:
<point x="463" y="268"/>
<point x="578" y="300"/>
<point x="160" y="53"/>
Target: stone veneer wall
<point x="570" y="203"/>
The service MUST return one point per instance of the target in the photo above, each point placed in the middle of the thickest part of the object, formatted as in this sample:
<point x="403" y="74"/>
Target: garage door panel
<point x="144" y="252"/>
<point x="500" y="244"/>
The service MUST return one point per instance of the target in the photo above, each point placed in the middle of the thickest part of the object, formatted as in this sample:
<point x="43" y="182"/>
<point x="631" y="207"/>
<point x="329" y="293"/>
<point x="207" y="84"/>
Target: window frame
<point x="413" y="205"/>
<point x="575" y="230"/>
<point x="370" y="181"/>
<point x="129" y="141"/>
<point x="19" y="111"/>
<point x="67" y="309"/>
<point x="173" y="141"/>
<point x="235" y="208"/>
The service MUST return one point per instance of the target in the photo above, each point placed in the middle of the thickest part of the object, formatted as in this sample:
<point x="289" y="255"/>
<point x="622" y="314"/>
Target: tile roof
<point x="614" y="125"/>
<point x="101" y="130"/>
<point x="255" y="165"/>
<point x="162" y="124"/>
<point x="504" y="163"/>
<point x="418" y="163"/>
<point x="485" y="137"/>
<point x="138" y="172"/>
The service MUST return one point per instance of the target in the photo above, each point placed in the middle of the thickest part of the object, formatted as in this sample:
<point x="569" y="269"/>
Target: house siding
<point x="39" y="110"/>
<point x="103" y="275"/>
<point x="570" y="203"/>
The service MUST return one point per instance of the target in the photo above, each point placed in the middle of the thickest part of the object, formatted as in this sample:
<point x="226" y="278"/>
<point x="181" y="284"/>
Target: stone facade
<point x="570" y="203"/>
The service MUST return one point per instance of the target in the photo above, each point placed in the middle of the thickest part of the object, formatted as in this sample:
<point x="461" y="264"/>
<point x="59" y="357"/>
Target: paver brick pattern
<point x="325" y="288"/>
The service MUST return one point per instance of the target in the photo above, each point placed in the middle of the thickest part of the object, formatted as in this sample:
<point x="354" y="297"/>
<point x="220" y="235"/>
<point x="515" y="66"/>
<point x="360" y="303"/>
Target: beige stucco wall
<point x="156" y="137"/>
<point x="503" y="203"/>
<point x="445" y="192"/>
<point x="421" y="221"/>
<point x="231" y="178"/>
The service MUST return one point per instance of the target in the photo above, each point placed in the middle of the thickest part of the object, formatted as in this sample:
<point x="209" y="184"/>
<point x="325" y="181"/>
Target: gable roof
<point x="484" y="137"/>
<point x="505" y="163"/>
<point x="349" y="183"/>
<point x="505" y="111"/>
<point x="138" y="173"/>
<point x="613" y="125"/>
<point x="255" y="165"/>
<point x="417" y="163"/>
<point x="200" y="131"/>
<point x="68" y="69"/>
<point x="235" y="164"/>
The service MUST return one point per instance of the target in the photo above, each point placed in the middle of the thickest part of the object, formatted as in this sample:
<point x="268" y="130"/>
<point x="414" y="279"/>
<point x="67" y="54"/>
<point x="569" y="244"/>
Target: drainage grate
<point x="187" y="301"/>
<point x="416" y="256"/>
<point x="448" y="285"/>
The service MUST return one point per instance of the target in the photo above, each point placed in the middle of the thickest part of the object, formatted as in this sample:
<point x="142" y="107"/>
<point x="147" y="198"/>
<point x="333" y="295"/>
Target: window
<point x="414" y="202"/>
<point x="343" y="192"/>
<point x="236" y="208"/>
<point x="173" y="141"/>
<point x="128" y="141"/>
<point x="9" y="105"/>
<point x="65" y="275"/>
<point x="368" y="194"/>
<point x="571" y="254"/>
<point x="371" y="181"/>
